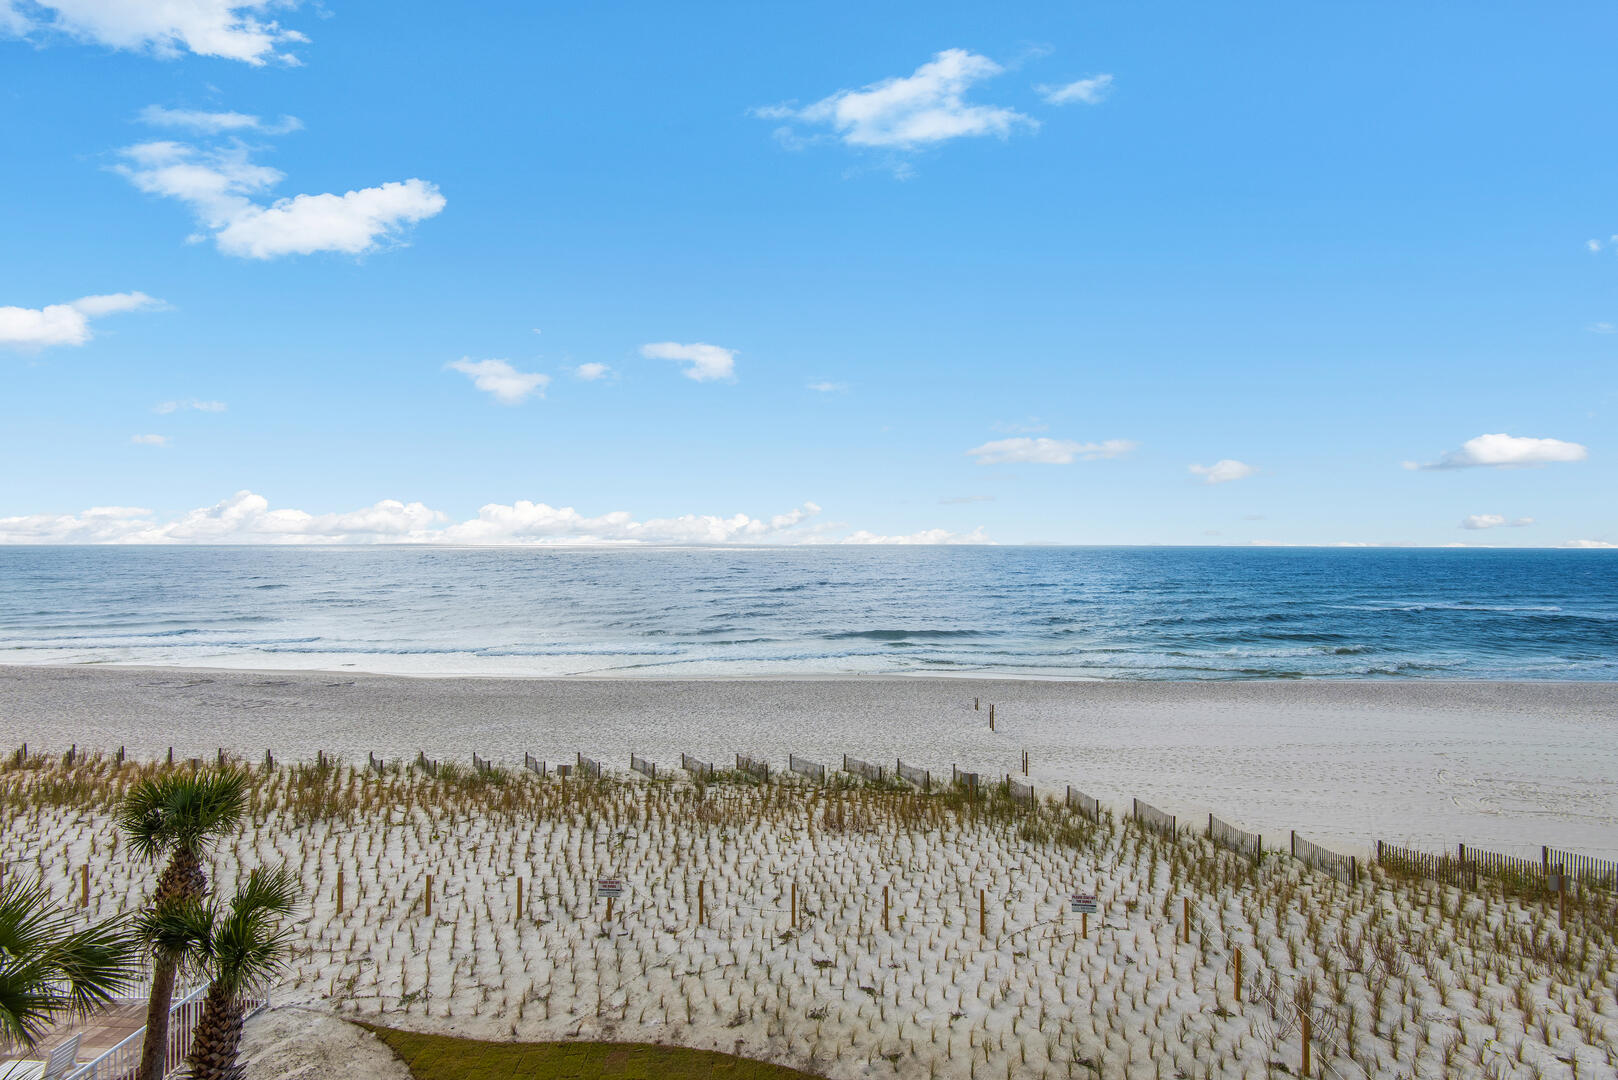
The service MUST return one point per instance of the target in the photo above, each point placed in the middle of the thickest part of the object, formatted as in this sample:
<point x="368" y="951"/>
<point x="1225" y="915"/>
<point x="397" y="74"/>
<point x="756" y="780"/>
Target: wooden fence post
<point x="991" y="717"/>
<point x="702" y="906"/>
<point x="794" y="903"/>
<point x="428" y="896"/>
<point x="84" y="885"/>
<point x="519" y="898"/>
<point x="1185" y="907"/>
<point x="339" y="890"/>
<point x="884" y="909"/>
<point x="1308" y="1033"/>
<point x="983" y="907"/>
<point x="1238" y="961"/>
<point x="609" y="909"/>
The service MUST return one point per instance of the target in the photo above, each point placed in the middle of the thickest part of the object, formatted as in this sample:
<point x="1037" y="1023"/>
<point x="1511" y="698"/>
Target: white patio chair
<point x="57" y="1064"/>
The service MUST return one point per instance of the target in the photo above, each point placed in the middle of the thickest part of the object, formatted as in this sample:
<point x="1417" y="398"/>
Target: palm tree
<point x="47" y="969"/>
<point x="239" y="948"/>
<point x="178" y="816"/>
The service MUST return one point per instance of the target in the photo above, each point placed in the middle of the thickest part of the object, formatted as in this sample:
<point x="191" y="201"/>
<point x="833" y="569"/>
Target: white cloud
<point x="707" y="362"/>
<point x="1604" y="328"/>
<point x="1090" y="91"/>
<point x="149" y="440"/>
<point x="828" y="387"/>
<point x="231" y="29"/>
<point x="1505" y="451"/>
<point x="1043" y="451"/>
<point x="592" y="371"/>
<point x="65" y="324"/>
<point x="220" y="185"/>
<point x="246" y="518"/>
<point x="1592" y="245"/>
<point x="925" y="536"/>
<point x="508" y="385"/>
<point x="1589" y="544"/>
<point x="216" y="123"/>
<point x="910" y="111"/>
<point x="1224" y="471"/>
<point x="1494" y="521"/>
<point x="166" y="407"/>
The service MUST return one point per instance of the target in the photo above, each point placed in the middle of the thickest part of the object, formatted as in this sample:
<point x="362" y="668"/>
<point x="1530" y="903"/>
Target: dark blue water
<point x="1113" y="613"/>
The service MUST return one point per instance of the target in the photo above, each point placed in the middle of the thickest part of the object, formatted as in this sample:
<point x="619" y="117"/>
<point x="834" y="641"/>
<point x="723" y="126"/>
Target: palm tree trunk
<point x="217" y="1038"/>
<point x="154" y="1049"/>
<point x="183" y="879"/>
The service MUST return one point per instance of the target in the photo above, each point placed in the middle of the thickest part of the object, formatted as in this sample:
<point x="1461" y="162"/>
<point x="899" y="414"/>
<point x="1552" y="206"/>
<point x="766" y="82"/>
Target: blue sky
<point x="962" y="272"/>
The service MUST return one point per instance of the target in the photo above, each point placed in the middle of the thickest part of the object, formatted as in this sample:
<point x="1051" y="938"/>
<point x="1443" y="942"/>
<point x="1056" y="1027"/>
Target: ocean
<point x="1018" y="612"/>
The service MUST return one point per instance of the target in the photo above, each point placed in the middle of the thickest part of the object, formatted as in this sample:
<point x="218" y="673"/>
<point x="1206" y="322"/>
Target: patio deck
<point x="98" y="1033"/>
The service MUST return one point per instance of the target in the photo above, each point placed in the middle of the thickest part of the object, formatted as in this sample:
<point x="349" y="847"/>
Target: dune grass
<point x="442" y="1057"/>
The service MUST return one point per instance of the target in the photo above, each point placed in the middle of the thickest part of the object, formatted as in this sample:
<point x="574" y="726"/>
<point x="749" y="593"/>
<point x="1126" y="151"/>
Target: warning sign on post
<point x="609" y="888"/>
<point x="1084" y="903"/>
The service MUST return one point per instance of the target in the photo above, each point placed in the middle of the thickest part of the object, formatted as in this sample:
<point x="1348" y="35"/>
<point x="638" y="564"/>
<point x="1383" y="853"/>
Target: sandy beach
<point x="1503" y="765"/>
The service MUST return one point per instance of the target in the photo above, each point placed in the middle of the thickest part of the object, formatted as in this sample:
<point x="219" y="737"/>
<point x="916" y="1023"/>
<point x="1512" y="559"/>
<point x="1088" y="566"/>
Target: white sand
<point x="1507" y="766"/>
<point x="292" y="1043"/>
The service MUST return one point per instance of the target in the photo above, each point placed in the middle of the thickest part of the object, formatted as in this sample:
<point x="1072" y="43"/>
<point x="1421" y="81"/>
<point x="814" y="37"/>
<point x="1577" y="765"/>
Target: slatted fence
<point x="1151" y="817"/>
<point x="864" y="769"/>
<point x="754" y="767"/>
<point x="695" y="766"/>
<point x="533" y="764"/>
<point x="646" y="768"/>
<point x="1019" y="791"/>
<point x="481" y="764"/>
<point x="1084" y="804"/>
<point x="426" y="764"/>
<point x="589" y="768"/>
<point x="909" y="773"/>
<point x="1586" y="870"/>
<point x="804" y="767"/>
<point x="377" y="764"/>
<point x="967" y="780"/>
<point x="1229" y="836"/>
<point x="1344" y="868"/>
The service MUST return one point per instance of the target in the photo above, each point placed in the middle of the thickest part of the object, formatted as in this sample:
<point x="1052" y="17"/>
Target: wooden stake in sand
<point x="1308" y="1033"/>
<point x="991" y="717"/>
<point x="1185" y="905"/>
<point x="702" y="907"/>
<point x="1237" y="960"/>
<point x="339" y="890"/>
<point x="983" y="902"/>
<point x="84" y="885"/>
<point x="519" y="898"/>
<point x="427" y="896"/>
<point x="884" y="909"/>
<point x="794" y="905"/>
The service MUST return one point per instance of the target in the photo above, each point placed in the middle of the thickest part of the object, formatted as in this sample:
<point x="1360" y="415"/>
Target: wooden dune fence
<point x="910" y="774"/>
<point x="804" y="767"/>
<point x="754" y="767"/>
<point x="1344" y="868"/>
<point x="1151" y="817"/>
<point x="646" y="768"/>
<point x="1019" y="791"/>
<point x="426" y="764"/>
<point x="967" y="780"/>
<point x="533" y="764"/>
<point x="589" y="768"/>
<point x="1084" y="804"/>
<point x="1467" y="865"/>
<point x="864" y="769"/>
<point x="1229" y="836"/>
<point x="696" y="766"/>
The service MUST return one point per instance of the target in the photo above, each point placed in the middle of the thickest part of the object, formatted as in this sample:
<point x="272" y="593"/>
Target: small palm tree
<point x="49" y="970"/>
<point x="178" y="817"/>
<point x="240" y="949"/>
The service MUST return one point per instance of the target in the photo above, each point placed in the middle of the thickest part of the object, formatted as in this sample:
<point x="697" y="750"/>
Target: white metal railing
<point x="122" y="1060"/>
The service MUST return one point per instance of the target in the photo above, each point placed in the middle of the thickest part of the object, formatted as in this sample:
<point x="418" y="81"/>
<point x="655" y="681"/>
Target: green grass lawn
<point x="441" y="1057"/>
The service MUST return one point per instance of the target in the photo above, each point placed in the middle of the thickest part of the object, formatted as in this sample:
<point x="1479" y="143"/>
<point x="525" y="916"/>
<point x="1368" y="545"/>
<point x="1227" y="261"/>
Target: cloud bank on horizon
<point x="247" y="518"/>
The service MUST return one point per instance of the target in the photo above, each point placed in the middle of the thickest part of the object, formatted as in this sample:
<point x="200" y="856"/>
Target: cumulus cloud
<point x="497" y="377"/>
<point x="149" y="440"/>
<point x="1494" y="521"/>
<point x="221" y="185"/>
<point x="910" y="111"/>
<point x="247" y="518"/>
<point x="1043" y="451"/>
<point x="230" y="29"/>
<point x="166" y="407"/>
<point x="1223" y="471"/>
<point x="1089" y="91"/>
<point x="1589" y="544"/>
<point x="65" y="324"/>
<point x="592" y="371"/>
<point x="825" y="387"/>
<point x="925" y="536"/>
<point x="1505" y="451"/>
<point x="705" y="363"/>
<point x="216" y="123"/>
